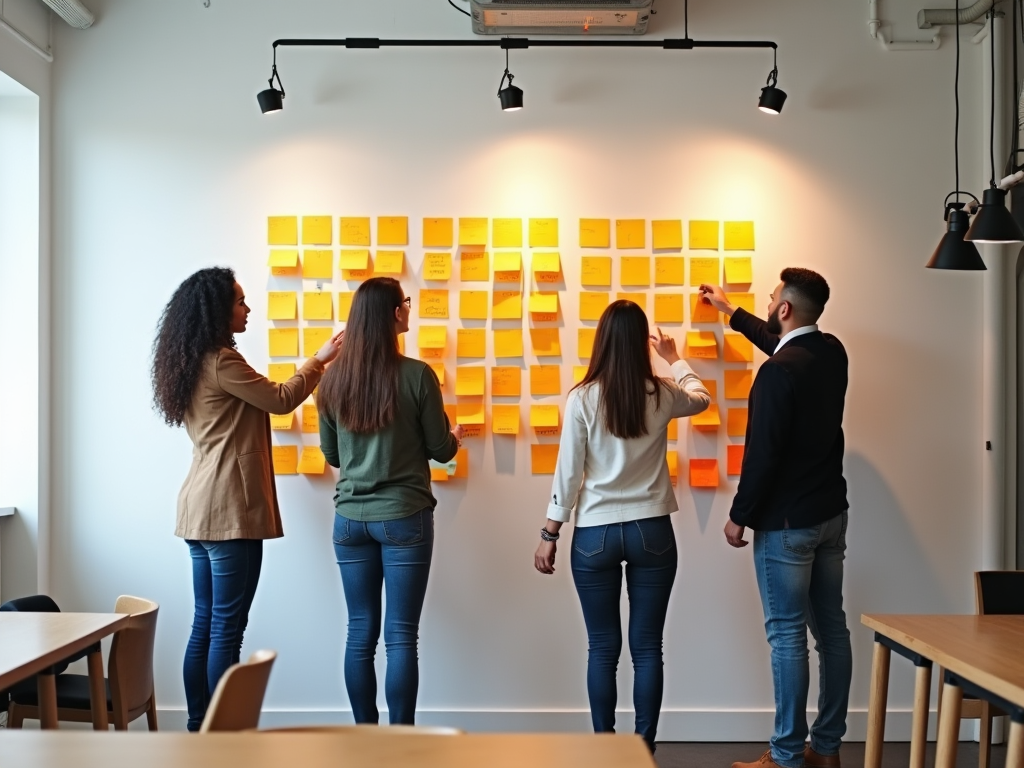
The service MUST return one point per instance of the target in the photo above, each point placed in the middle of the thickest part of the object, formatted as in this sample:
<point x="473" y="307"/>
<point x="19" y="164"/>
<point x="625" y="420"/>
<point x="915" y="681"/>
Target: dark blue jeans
<point x="648" y="548"/>
<point x="394" y="554"/>
<point x="224" y="577"/>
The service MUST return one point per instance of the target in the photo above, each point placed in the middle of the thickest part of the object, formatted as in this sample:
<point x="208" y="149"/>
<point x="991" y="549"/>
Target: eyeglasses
<point x="407" y="301"/>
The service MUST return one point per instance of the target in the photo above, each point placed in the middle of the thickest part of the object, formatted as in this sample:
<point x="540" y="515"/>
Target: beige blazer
<point x="230" y="491"/>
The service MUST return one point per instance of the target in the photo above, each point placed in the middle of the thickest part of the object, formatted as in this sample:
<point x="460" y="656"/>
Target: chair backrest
<point x="238" y="699"/>
<point x="130" y="667"/>
<point x="32" y="604"/>
<point x="373" y="730"/>
<point x="999" y="592"/>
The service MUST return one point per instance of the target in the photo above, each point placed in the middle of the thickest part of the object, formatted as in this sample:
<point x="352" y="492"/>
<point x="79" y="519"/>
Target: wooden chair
<point x="129" y="682"/>
<point x="238" y="699"/>
<point x="995" y="593"/>
<point x="372" y="730"/>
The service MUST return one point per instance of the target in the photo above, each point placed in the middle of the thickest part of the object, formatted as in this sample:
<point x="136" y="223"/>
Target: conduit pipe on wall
<point x="934" y="17"/>
<point x="877" y="31"/>
<point x="26" y="40"/>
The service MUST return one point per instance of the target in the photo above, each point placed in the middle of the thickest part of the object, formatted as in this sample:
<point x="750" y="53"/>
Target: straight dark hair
<point x="360" y="390"/>
<point x="621" y="364"/>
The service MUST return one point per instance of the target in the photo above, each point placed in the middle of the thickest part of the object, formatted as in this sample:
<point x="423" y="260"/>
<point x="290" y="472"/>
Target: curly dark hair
<point x="196" y="320"/>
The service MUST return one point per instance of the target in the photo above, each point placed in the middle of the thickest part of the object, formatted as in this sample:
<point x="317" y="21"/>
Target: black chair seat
<point x="72" y="692"/>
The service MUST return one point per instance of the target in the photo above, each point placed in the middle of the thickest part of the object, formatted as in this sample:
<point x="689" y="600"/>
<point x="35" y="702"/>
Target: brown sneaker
<point x="813" y="760"/>
<point x="765" y="762"/>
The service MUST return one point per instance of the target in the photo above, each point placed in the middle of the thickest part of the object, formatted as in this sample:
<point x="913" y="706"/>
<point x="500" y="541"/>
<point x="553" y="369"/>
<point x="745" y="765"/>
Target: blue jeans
<point x="395" y="554"/>
<point x="224" y="578"/>
<point x="649" y="549"/>
<point x="800" y="577"/>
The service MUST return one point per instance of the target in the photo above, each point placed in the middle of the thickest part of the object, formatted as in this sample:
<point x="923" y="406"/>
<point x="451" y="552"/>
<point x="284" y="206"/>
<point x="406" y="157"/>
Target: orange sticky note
<point x="471" y="342"/>
<point x="438" y="369"/>
<point x="543" y="233"/>
<point x="433" y="303"/>
<point x="432" y="337"/>
<point x="700" y="312"/>
<point x="438" y="475"/>
<point x="636" y="270"/>
<point x="737" y="348"/>
<point x="543" y="458"/>
<point x="507" y="233"/>
<point x="437" y="266"/>
<point x="712" y="387"/>
<point x="473" y="231"/>
<point x="545" y="380"/>
<point x="673" y="430"/>
<point x="281" y="305"/>
<point x="734" y="459"/>
<point x="389" y="263"/>
<point x="578" y="373"/>
<point x="473" y="305"/>
<point x="736" y="422"/>
<point x="508" y="342"/>
<point x="595" y="233"/>
<point x="703" y="473"/>
<point x="474" y="266"/>
<point x="450" y="412"/>
<point x="316" y="230"/>
<point x="461" y="463"/>
<point x="585" y="342"/>
<point x="437" y="233"/>
<point x="392" y="230"/>
<point x="317" y="305"/>
<point x="401" y="345"/>
<point x="314" y="338"/>
<point x="507" y="305"/>
<point x="506" y="381"/>
<point x="545" y="342"/>
<point x="285" y="459"/>
<point x="629" y="233"/>
<point x="701" y="345"/>
<point x="508" y="263"/>
<point x="546" y="267"/>
<point x="707" y="420"/>
<point x="637" y="297"/>
<point x="317" y="264"/>
<point x="310" y="419"/>
<point x="505" y="419"/>
<point x="703" y="235"/>
<point x="745" y="300"/>
<point x="545" y="302"/>
<point x="739" y="235"/>
<point x="593" y="303"/>
<point x="282" y="420"/>
<point x="667" y="234"/>
<point x="704" y="270"/>
<point x="737" y="384"/>
<point x="355" y="230"/>
<point x="284" y="342"/>
<point x="282" y="230"/>
<point x="668" y="307"/>
<point x="469" y="380"/>
<point x="355" y="259"/>
<point x="544" y="416"/>
<point x="469" y="413"/>
<point x="596" y="270"/>
<point x="672" y="459"/>
<point x="669" y="270"/>
<point x="280" y="372"/>
<point x="739" y="270"/>
<point x="344" y="304"/>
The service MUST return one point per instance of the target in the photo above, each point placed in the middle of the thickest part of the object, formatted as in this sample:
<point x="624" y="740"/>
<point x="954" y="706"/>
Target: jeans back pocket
<point x="657" y="534"/>
<point x="405" y="531"/>
<point x="341" y="529"/>
<point x="801" y="541"/>
<point x="589" y="541"/>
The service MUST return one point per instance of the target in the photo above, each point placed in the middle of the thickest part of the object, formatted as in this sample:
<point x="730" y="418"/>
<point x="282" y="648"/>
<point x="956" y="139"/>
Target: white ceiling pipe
<point x="73" y="12"/>
<point x="934" y="17"/>
<point x="877" y="31"/>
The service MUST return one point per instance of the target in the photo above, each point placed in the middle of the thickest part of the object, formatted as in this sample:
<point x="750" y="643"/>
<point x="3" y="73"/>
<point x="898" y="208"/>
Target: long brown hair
<point x="621" y="364"/>
<point x="360" y="390"/>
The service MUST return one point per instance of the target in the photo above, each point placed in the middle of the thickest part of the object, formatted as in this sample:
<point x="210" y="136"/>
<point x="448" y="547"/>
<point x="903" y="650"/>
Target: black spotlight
<point x="954" y="252"/>
<point x="993" y="222"/>
<point x="272" y="99"/>
<point x="511" y="96"/>
<point x="772" y="98"/>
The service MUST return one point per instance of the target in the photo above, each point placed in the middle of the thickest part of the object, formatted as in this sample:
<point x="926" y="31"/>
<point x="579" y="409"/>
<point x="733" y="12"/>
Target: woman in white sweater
<point x="612" y="470"/>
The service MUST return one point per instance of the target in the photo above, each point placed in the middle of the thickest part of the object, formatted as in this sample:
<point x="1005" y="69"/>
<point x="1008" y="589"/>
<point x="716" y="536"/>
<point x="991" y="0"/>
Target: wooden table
<point x="164" y="749"/>
<point x="983" y="655"/>
<point x="31" y="643"/>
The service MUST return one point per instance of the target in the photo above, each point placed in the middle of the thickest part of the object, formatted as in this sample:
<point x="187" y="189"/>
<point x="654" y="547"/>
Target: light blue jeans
<point x="800" y="577"/>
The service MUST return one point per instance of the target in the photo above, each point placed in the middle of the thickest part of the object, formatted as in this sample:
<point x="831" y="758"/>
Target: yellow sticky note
<point x="545" y="342"/>
<point x="507" y="233"/>
<point x="471" y="342"/>
<point x="438" y="475"/>
<point x="672" y="459"/>
<point x="703" y="235"/>
<point x="546" y="302"/>
<point x="357" y="259"/>
<point x="437" y="266"/>
<point x="469" y="380"/>
<point x="432" y="337"/>
<point x="401" y="343"/>
<point x="475" y="266"/>
<point x="433" y="303"/>
<point x="669" y="270"/>
<point x="472" y="231"/>
<point x="344" y="305"/>
<point x="737" y="384"/>
<point x="736" y="422"/>
<point x="355" y="230"/>
<point x="508" y="342"/>
<point x="739" y="236"/>
<point x="668" y="307"/>
<point x="667" y="234"/>
<point x="282" y="420"/>
<point x="389" y="263"/>
<point x="438" y="369"/>
<point x="505" y="419"/>
<point x="585" y="342"/>
<point x="508" y="262"/>
<point x="703" y="473"/>
<point x="702" y="345"/>
<point x="437" y="233"/>
<point x="578" y="372"/>
<point x="701" y="312"/>
<point x="284" y="342"/>
<point x="593" y="303"/>
<point x="282" y="230"/>
<point x="544" y="416"/>
<point x="739" y="270"/>
<point x="596" y="270"/>
<point x="312" y="461"/>
<point x="707" y="420"/>
<point x="545" y="380"/>
<point x="318" y="264"/>
<point x="629" y="233"/>
<point x="285" y="459"/>
<point x="737" y="348"/>
<point x="469" y="413"/>
<point x="473" y="305"/>
<point x="637" y="297"/>
<point x="392" y="230"/>
<point x="704" y="270"/>
<point x="317" y="305"/>
<point x="506" y="381"/>
<point x="280" y="372"/>
<point x="636" y="270"/>
<point x="543" y="459"/>
<point x="546" y="266"/>
<point x="595" y="233"/>
<point x="507" y="305"/>
<point x="281" y="305"/>
<point x="310" y="419"/>
<point x="744" y="300"/>
<point x="316" y="230"/>
<point x="282" y="260"/>
<point x="314" y="338"/>
<point x="673" y="430"/>
<point x="543" y="233"/>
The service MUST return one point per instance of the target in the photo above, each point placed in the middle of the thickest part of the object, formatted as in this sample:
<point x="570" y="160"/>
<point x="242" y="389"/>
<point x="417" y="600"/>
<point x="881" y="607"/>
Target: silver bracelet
<point x="547" y="535"/>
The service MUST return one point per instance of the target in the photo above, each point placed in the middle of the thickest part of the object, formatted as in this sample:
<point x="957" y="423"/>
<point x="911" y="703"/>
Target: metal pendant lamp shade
<point x="772" y="100"/>
<point x="271" y="100"/>
<point x="954" y="252"/>
<point x="993" y="223"/>
<point x="511" y="98"/>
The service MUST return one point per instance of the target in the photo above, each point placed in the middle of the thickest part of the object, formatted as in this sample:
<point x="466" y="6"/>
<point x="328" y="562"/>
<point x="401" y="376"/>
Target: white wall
<point x="164" y="165"/>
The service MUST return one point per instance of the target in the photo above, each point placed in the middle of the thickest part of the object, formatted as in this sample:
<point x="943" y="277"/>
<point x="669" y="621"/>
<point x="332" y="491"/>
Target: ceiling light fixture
<point x="772" y="98"/>
<point x="272" y="99"/>
<point x="511" y="96"/>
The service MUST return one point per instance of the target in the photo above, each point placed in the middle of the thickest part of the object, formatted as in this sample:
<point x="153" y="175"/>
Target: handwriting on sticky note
<point x="704" y="271"/>
<point x="595" y="233"/>
<point x="738" y="270"/>
<point x="593" y="303"/>
<point x="432" y="337"/>
<point x="734" y="459"/>
<point x="437" y="233"/>
<point x="547" y="267"/>
<point x="667" y="234"/>
<point x="702" y="312"/>
<point x="543" y="416"/>
<point x="474" y="266"/>
<point x="284" y="342"/>
<point x="317" y="305"/>
<point x="282" y="230"/>
<point x="737" y="348"/>
<point x="316" y="230"/>
<point x="739" y="235"/>
<point x="585" y="342"/>
<point x="636" y="270"/>
<point x="543" y="233"/>
<point x="433" y="303"/>
<point x="543" y="458"/>
<point x="703" y="235"/>
<point x="736" y="422"/>
<point x="471" y="342"/>
<point x="505" y="419"/>
<point x="282" y="420"/>
<point x="507" y="305"/>
<point x="471" y="413"/>
<point x="545" y="342"/>
<point x="545" y="380"/>
<point x="280" y="372"/>
<point x="701" y="345"/>
<point x="507" y="233"/>
<point x="469" y="380"/>
<point x="544" y="302"/>
<point x="737" y="383"/>
<point x="629" y="233"/>
<point x="473" y="305"/>
<point x="355" y="259"/>
<point x="285" y="459"/>
<point x="281" y="305"/>
<point x="317" y="264"/>
<point x="508" y="342"/>
<point x="669" y="270"/>
<point x="506" y="380"/>
<point x="437" y="266"/>
<point x="389" y="263"/>
<point x="703" y="473"/>
<point x="596" y="270"/>
<point x="310" y="419"/>
<point x="392" y="230"/>
<point x="473" y="231"/>
<point x="355" y="230"/>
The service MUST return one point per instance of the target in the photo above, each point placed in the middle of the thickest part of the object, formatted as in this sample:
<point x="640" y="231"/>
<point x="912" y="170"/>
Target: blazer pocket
<point x="255" y="471"/>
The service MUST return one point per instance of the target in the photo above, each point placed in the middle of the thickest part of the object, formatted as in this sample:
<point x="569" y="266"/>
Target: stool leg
<point x="919" y="730"/>
<point x="949" y="726"/>
<point x="876" y="706"/>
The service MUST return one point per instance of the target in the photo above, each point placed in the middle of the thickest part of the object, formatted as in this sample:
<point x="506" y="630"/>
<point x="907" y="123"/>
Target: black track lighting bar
<point x="677" y="44"/>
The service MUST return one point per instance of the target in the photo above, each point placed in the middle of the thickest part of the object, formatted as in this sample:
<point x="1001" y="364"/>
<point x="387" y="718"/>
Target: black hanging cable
<point x="460" y="10"/>
<point x="686" y="19"/>
<point x="992" y="116"/>
<point x="1011" y="161"/>
<point x="956" y="101"/>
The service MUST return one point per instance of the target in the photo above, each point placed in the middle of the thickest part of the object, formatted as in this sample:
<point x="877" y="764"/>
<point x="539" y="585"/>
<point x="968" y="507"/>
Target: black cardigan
<point x="792" y="474"/>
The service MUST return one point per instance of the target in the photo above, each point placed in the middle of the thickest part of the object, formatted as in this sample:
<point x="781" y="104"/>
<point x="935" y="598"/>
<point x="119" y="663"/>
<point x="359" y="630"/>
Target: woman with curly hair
<point x="228" y="504"/>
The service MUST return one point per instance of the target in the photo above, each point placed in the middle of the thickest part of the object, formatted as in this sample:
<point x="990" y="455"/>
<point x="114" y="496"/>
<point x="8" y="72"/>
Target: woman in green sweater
<point x="381" y="419"/>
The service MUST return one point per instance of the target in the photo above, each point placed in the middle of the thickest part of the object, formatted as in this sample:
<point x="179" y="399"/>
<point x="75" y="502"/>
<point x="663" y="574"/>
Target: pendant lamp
<point x="953" y="251"/>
